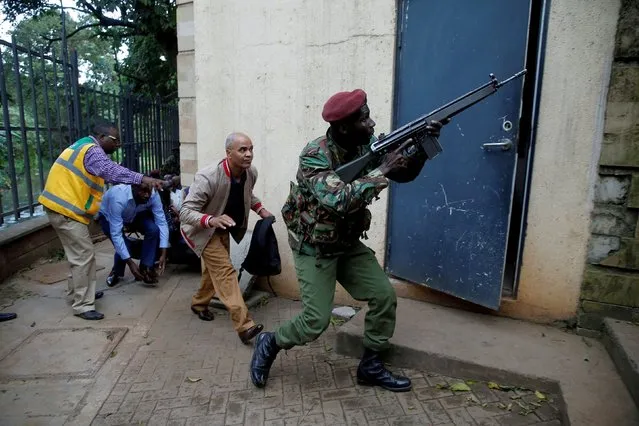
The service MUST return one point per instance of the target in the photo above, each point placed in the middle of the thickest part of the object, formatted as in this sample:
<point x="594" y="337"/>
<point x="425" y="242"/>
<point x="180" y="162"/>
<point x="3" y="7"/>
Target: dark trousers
<point x="143" y="223"/>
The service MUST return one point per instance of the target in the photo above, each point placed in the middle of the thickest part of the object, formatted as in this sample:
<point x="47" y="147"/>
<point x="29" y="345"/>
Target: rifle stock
<point x="416" y="129"/>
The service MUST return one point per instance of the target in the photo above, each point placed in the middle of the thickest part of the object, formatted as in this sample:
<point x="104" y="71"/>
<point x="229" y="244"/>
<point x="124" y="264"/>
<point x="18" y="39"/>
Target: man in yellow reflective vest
<point x="71" y="198"/>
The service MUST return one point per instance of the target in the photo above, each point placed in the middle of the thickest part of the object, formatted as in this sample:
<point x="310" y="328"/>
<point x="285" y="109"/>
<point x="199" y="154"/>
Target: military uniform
<point x="326" y="219"/>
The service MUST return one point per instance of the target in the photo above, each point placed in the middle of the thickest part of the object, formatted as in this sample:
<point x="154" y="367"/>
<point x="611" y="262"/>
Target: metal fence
<point x="45" y="109"/>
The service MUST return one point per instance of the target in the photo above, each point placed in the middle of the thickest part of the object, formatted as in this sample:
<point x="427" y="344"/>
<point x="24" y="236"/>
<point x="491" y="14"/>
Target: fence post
<point x="23" y="132"/>
<point x="47" y="113"/>
<point x="158" y="132"/>
<point x="61" y="146"/>
<point x="126" y="130"/>
<point x="9" y="138"/>
<point x="36" y="121"/>
<point x="77" y="125"/>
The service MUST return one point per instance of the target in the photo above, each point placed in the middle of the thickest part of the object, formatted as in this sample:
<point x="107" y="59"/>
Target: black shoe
<point x="7" y="316"/>
<point x="247" y="335"/>
<point x="204" y="315"/>
<point x="90" y="315"/>
<point x="112" y="279"/>
<point x="265" y="352"/>
<point x="98" y="295"/>
<point x="371" y="372"/>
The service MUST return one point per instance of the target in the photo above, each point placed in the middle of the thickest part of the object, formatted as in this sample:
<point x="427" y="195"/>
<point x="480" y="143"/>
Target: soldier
<point x="326" y="218"/>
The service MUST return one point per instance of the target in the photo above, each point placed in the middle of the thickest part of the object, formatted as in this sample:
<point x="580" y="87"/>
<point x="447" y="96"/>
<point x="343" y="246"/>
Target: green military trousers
<point x="359" y="273"/>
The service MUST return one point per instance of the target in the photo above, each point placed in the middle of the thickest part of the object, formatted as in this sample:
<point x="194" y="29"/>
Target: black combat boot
<point x="371" y="372"/>
<point x="265" y="352"/>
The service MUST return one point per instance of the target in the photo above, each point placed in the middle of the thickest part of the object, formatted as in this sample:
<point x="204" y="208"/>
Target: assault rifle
<point x="417" y="129"/>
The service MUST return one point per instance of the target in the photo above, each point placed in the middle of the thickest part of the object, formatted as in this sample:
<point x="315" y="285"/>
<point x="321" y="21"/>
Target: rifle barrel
<point x="519" y="74"/>
<point x="347" y="172"/>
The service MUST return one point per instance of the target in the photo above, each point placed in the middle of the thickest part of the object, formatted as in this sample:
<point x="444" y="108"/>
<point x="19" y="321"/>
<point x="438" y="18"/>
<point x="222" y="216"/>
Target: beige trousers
<point x="80" y="253"/>
<point x="219" y="276"/>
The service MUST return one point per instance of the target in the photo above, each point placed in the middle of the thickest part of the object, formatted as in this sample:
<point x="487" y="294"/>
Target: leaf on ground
<point x="502" y="405"/>
<point x="113" y="353"/>
<point x="493" y="385"/>
<point x="510" y="407"/>
<point x="441" y="386"/>
<point x="513" y="397"/>
<point x="328" y="348"/>
<point x="540" y="395"/>
<point x="470" y="382"/>
<point x="337" y="321"/>
<point x="193" y="379"/>
<point x="472" y="399"/>
<point x="460" y="387"/>
<point x="536" y="404"/>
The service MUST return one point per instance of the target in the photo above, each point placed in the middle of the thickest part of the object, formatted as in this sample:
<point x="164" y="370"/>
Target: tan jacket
<point x="207" y="198"/>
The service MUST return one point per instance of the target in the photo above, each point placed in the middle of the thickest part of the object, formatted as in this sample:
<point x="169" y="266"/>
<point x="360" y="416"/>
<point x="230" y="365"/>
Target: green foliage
<point x="101" y="32"/>
<point x="40" y="33"/>
<point x="146" y="27"/>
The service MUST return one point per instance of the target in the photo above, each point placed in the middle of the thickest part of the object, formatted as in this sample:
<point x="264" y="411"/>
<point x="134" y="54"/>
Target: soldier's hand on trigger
<point x="395" y="160"/>
<point x="223" y="222"/>
<point x="154" y="183"/>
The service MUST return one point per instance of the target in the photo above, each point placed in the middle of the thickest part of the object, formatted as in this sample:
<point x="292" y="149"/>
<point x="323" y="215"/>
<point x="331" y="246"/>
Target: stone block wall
<point x="611" y="278"/>
<point x="186" y="90"/>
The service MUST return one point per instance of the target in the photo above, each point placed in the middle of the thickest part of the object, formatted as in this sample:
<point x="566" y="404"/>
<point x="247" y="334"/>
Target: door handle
<point x="504" y="144"/>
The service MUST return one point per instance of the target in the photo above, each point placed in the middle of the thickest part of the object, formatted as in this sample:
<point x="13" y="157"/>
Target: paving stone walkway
<point x="171" y="368"/>
<point x="190" y="372"/>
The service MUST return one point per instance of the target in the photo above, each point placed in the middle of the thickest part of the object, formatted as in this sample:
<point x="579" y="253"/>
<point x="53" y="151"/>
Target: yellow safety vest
<point x="71" y="190"/>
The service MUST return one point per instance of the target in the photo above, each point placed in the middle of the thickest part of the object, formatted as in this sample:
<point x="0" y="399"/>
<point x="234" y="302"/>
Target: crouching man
<point x="326" y="217"/>
<point x="139" y="209"/>
<point x="215" y="209"/>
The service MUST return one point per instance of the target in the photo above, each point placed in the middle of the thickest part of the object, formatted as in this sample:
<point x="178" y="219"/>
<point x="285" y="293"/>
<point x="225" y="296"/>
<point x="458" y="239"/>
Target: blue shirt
<point x="119" y="208"/>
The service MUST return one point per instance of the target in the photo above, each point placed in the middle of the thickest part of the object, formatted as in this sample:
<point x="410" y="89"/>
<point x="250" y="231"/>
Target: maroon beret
<point x="343" y="104"/>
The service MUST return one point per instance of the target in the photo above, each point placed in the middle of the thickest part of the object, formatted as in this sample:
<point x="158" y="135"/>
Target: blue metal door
<point x="448" y="228"/>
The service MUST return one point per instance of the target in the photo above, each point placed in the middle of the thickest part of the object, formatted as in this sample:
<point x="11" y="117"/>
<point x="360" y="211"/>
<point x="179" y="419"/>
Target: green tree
<point x="41" y="31"/>
<point x="146" y="27"/>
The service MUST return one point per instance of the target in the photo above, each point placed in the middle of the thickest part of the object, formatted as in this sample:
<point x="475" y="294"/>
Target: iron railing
<point x="45" y="109"/>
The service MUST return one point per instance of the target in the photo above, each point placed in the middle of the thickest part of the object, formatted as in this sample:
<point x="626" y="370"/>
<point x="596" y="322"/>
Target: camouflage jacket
<point x="324" y="215"/>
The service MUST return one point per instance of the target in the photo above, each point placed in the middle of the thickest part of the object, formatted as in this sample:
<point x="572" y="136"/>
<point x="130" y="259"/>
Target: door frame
<point x="531" y="95"/>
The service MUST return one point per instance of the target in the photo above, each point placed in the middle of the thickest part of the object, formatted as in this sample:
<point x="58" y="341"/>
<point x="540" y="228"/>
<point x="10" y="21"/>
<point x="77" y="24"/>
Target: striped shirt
<point x="99" y="164"/>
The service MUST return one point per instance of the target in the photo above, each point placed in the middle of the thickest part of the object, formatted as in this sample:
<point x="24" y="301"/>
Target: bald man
<point x="216" y="209"/>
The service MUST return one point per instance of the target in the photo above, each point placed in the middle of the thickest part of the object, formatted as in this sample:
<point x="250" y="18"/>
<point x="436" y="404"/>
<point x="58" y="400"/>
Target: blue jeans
<point x="144" y="224"/>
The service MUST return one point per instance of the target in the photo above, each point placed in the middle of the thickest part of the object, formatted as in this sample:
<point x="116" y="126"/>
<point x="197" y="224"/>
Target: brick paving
<point x="191" y="372"/>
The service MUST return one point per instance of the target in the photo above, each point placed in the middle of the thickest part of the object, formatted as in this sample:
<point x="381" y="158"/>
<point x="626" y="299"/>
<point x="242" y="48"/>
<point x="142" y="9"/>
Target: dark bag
<point x="263" y="257"/>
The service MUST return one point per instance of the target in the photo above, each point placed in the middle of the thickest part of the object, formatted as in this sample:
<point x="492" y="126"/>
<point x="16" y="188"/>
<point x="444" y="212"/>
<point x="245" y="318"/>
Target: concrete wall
<point x="22" y="244"/>
<point x="611" y="281"/>
<point x="266" y="67"/>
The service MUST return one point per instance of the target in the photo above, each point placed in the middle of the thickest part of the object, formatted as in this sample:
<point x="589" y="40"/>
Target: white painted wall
<point x="266" y="67"/>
